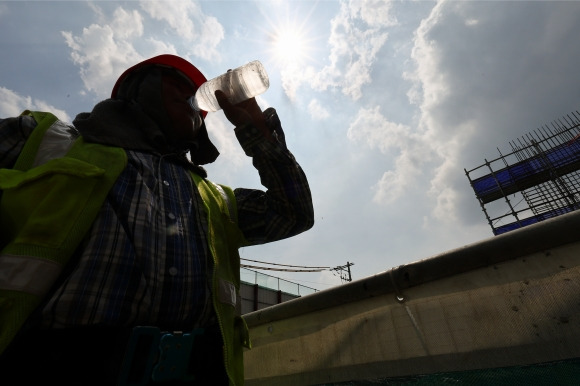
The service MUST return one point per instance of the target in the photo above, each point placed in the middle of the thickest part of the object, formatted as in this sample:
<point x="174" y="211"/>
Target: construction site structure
<point x="539" y="179"/>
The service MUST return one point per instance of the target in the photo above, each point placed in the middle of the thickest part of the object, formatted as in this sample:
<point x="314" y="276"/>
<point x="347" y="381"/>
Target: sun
<point x="289" y="36"/>
<point x="289" y="46"/>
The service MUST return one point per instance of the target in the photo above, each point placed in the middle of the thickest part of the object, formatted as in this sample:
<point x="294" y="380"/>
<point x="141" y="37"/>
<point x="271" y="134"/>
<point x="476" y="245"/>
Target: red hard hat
<point x="173" y="61"/>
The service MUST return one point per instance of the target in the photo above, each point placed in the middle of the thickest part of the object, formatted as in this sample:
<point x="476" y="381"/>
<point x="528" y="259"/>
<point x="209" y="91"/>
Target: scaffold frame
<point x="541" y="175"/>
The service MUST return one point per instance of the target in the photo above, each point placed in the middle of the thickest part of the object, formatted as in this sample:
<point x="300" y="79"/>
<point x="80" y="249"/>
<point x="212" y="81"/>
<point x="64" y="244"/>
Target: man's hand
<point x="244" y="113"/>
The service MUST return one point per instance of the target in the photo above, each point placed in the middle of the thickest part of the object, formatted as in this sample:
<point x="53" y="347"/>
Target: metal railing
<point x="254" y="277"/>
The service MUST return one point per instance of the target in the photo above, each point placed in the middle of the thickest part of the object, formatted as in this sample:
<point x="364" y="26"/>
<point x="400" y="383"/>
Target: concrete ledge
<point x="534" y="238"/>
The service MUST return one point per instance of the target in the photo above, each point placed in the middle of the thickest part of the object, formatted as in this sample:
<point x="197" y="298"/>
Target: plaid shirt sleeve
<point x="285" y="208"/>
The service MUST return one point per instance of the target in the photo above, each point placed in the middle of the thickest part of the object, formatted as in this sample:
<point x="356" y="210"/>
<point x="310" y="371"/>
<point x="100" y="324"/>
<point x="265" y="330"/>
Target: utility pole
<point x="348" y="269"/>
<point x="345" y="277"/>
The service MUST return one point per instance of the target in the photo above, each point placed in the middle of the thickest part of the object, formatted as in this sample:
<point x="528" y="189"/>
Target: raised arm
<point x="285" y="208"/>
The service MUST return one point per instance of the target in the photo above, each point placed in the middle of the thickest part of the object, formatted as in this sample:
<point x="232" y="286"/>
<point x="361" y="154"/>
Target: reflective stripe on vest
<point x="57" y="141"/>
<point x="23" y="273"/>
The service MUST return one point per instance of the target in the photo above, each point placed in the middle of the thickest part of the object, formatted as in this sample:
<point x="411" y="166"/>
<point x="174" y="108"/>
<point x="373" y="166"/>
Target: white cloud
<point x="374" y="12"/>
<point x="394" y="183"/>
<point x="12" y="104"/>
<point x="127" y="24"/>
<point x="201" y="32"/>
<point x="292" y="77"/>
<point x="104" y="51"/>
<point x="222" y="135"/>
<point x="317" y="111"/>
<point x="175" y="13"/>
<point x="107" y="48"/>
<point x="325" y="278"/>
<point x="358" y="32"/>
<point x="160" y="46"/>
<point x="471" y="22"/>
<point x="373" y="129"/>
<point x="212" y="34"/>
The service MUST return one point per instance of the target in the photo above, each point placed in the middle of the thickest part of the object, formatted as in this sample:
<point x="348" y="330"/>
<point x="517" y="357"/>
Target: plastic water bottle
<point x="239" y="85"/>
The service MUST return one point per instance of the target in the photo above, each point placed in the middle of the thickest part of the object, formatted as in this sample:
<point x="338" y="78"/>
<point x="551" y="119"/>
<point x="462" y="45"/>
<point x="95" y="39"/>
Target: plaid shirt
<point x="146" y="258"/>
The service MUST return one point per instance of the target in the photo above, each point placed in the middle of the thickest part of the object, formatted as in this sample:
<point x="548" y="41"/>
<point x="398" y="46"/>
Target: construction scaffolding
<point x="539" y="179"/>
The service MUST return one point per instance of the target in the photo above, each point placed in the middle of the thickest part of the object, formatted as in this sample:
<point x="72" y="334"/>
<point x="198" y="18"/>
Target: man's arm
<point x="285" y="208"/>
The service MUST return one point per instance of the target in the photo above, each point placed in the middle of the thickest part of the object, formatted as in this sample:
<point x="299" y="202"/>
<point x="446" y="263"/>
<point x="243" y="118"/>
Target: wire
<point x="282" y="269"/>
<point x="286" y="265"/>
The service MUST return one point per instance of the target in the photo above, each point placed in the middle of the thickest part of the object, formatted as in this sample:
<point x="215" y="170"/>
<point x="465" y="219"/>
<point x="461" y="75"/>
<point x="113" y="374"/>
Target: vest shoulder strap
<point x="44" y="121"/>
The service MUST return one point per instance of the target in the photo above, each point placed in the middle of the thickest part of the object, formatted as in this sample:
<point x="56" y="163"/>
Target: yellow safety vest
<point x="50" y="199"/>
<point x="224" y="240"/>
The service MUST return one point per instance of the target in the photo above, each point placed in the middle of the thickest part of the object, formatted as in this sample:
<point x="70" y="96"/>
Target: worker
<point x="119" y="258"/>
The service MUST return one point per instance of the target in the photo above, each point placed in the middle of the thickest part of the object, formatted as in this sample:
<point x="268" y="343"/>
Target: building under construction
<point x="537" y="180"/>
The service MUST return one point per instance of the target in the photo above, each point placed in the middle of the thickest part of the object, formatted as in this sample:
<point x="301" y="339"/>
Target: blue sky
<point x="384" y="103"/>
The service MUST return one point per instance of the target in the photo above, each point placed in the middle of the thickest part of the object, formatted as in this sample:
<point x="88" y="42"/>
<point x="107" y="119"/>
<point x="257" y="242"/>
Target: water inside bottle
<point x="239" y="84"/>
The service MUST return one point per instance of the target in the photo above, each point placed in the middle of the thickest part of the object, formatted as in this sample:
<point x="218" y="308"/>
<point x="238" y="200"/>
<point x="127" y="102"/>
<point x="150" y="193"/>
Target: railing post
<point x="256" y="291"/>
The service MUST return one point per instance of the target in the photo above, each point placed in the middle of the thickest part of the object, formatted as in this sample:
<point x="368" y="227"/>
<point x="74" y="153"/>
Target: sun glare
<point x="289" y="33"/>
<point x="289" y="46"/>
